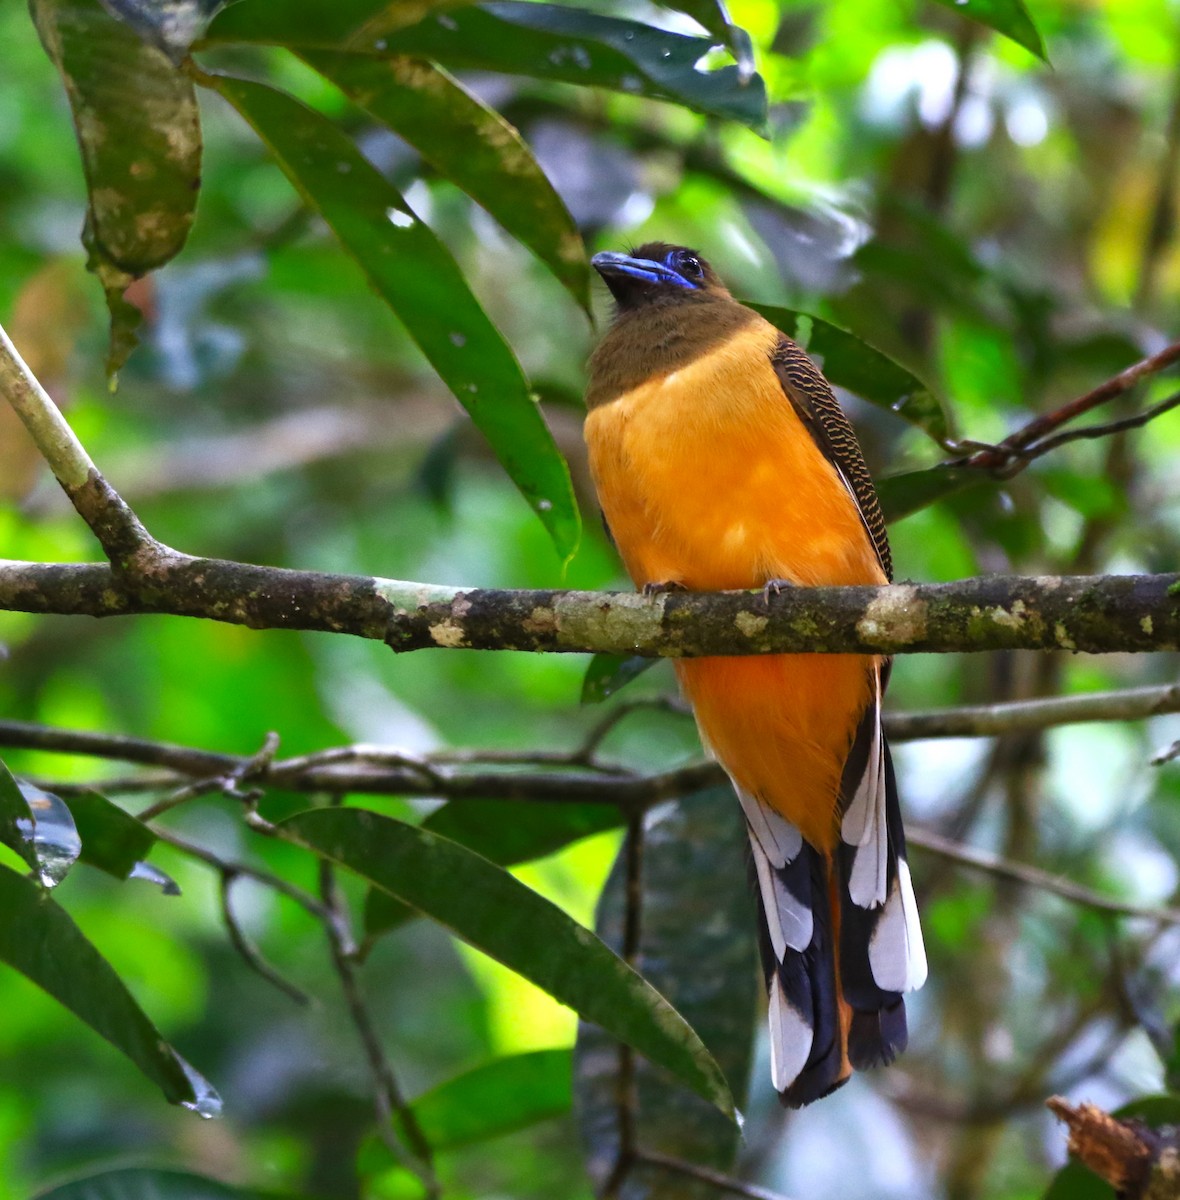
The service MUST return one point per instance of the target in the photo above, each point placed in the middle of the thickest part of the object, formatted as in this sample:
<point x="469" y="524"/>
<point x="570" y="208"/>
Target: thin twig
<point x="392" y="1108"/>
<point x="1098" y="431"/>
<point x="999" y="456"/>
<point x="1022" y="873"/>
<point x="250" y="953"/>
<point x="228" y="783"/>
<point x="725" y="1183"/>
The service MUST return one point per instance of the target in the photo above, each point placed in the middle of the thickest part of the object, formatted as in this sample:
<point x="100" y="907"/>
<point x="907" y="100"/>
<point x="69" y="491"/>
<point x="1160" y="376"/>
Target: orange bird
<point x="723" y="460"/>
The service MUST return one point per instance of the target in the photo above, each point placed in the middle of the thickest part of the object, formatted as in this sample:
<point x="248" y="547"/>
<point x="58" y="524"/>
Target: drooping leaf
<point x="698" y="940"/>
<point x="849" y="363"/>
<point x="543" y="41"/>
<point x="499" y="1097"/>
<point x="38" y="826"/>
<point x="140" y="136"/>
<point x="909" y="491"/>
<point x="170" y="25"/>
<point x="1009" y="17"/>
<point x="472" y="146"/>
<point x="607" y="673"/>
<point x="493" y="912"/>
<point x="147" y="1183"/>
<point x="416" y="276"/>
<point x="503" y="831"/>
<point x="39" y="939"/>
<point x="713" y="16"/>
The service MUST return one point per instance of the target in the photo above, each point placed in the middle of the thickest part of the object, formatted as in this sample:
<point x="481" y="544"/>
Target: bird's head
<point x="657" y="274"/>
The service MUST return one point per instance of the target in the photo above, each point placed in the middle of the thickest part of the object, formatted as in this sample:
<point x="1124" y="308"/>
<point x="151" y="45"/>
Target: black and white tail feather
<point x="880" y="950"/>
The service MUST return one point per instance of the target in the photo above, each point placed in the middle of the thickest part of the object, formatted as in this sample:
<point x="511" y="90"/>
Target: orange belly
<point x="708" y="478"/>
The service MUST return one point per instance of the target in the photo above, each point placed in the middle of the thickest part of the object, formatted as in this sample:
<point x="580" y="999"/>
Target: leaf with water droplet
<point x="38" y="826"/>
<point x="150" y="874"/>
<point x="114" y="841"/>
<point x="40" y="940"/>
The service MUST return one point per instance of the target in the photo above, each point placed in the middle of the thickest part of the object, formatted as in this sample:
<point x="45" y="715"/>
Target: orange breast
<point x="708" y="478"/>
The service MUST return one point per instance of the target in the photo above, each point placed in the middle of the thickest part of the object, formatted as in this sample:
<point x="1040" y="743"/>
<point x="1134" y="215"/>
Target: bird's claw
<point x="775" y="587"/>
<point x="658" y="589"/>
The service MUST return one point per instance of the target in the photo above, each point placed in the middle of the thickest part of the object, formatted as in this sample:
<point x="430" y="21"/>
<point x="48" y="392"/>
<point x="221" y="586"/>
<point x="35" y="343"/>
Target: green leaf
<point x="416" y="276"/>
<point x="504" y="832"/>
<point x="39" y="827"/>
<point x="472" y="146"/>
<point x="698" y="943"/>
<point x="1009" y="17"/>
<point x="849" y="363"/>
<point x="112" y="840"/>
<point x="712" y="15"/>
<point x="493" y="912"/>
<point x="312" y="22"/>
<point x="499" y="1097"/>
<point x="38" y="938"/>
<point x="542" y="41"/>
<point x="607" y="673"/>
<point x="145" y="1183"/>
<point x="909" y="491"/>
<point x="140" y="137"/>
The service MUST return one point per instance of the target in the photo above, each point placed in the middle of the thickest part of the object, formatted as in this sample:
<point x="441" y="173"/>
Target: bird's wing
<point x="820" y="411"/>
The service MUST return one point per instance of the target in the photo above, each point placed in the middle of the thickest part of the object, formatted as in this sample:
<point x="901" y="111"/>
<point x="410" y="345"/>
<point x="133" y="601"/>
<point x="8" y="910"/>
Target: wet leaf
<point x="698" y="944"/>
<point x="607" y="673"/>
<point x="170" y="25"/>
<point x="909" y="491"/>
<point x="712" y="15"/>
<point x="139" y="133"/>
<point x="39" y="939"/>
<point x="849" y="363"/>
<point x="38" y="826"/>
<point x="417" y="277"/>
<point x="493" y="912"/>
<point x="1009" y="17"/>
<point x="471" y="145"/>
<point x="499" y="1097"/>
<point x="542" y="41"/>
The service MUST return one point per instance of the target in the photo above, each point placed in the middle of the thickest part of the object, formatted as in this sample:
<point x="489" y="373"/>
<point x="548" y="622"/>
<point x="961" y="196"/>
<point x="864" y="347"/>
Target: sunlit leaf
<point x="699" y="945"/>
<point x="38" y="938"/>
<point x="607" y="673"/>
<point x="140" y="137"/>
<point x="1009" y="17"/>
<point x="499" y="1097"/>
<point x="849" y="363"/>
<point x="906" y="493"/>
<point x="493" y="912"/>
<point x="146" y="1183"/>
<point x="472" y="146"/>
<point x="416" y="276"/>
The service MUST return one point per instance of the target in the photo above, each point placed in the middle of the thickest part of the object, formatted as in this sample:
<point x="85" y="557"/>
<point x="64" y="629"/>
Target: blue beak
<point x="609" y="264"/>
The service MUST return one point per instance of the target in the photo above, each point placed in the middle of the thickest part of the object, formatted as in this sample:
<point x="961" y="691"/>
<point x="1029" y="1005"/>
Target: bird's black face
<point x="655" y="273"/>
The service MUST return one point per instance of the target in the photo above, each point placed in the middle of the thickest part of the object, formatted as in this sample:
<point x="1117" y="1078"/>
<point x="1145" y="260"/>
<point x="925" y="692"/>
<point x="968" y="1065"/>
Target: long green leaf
<point x="861" y="369"/>
<point x="492" y="911"/>
<point x="906" y="493"/>
<point x="470" y="144"/>
<point x="712" y="15"/>
<point x="146" y="1183"/>
<point x="140" y="136"/>
<point x="499" y="1097"/>
<point x="38" y="938"/>
<point x="542" y="41"/>
<point x="1009" y="17"/>
<point x="698" y="943"/>
<point x="416" y="276"/>
<point x="313" y="22"/>
<point x="112" y="840"/>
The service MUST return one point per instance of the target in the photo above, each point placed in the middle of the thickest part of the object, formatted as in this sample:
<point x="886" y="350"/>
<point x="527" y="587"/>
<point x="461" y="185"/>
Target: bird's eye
<point x="688" y="265"/>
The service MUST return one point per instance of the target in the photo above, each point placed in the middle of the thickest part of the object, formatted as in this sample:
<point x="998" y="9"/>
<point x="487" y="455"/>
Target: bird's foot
<point x="774" y="587"/>
<point x="668" y="585"/>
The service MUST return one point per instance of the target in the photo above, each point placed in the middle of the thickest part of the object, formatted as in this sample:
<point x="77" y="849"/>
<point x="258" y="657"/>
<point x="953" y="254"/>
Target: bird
<point x="723" y="460"/>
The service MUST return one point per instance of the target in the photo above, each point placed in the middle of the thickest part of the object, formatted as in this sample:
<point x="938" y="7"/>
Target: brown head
<point x="657" y="274"/>
<point x="671" y="308"/>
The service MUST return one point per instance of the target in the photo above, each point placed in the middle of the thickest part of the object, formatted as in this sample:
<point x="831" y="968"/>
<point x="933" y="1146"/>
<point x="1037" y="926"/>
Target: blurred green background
<point x="1003" y="228"/>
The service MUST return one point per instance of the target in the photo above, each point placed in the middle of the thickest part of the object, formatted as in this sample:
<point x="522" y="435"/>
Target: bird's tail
<point x="839" y="932"/>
